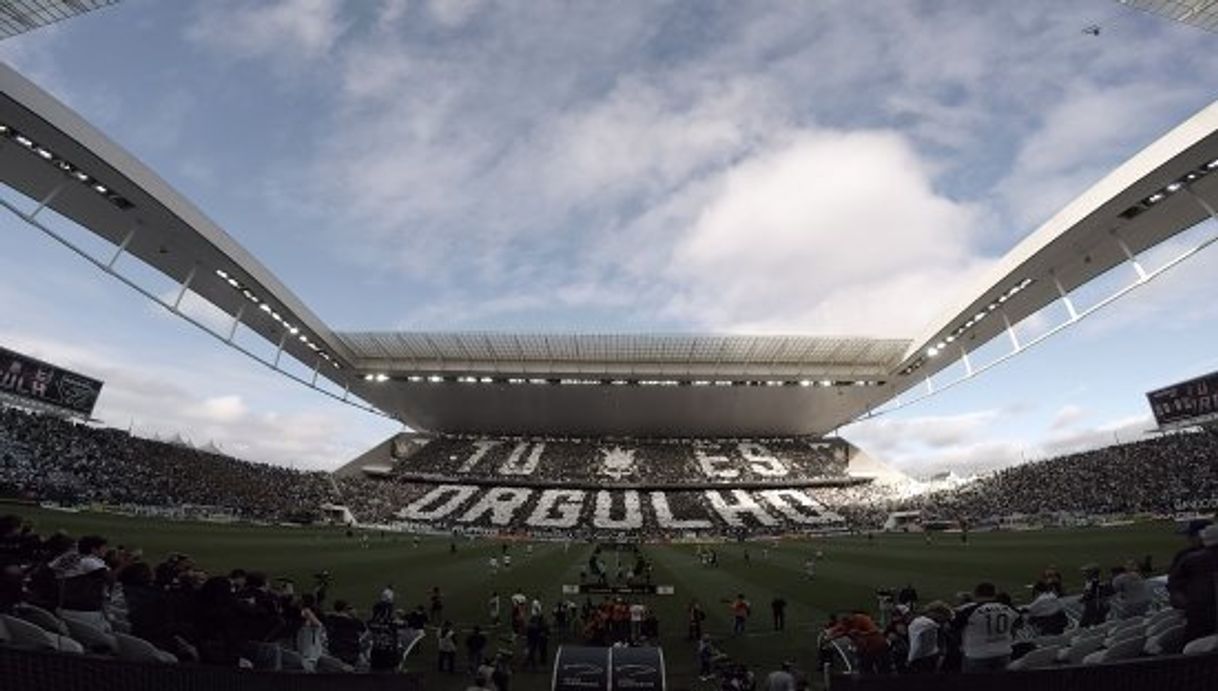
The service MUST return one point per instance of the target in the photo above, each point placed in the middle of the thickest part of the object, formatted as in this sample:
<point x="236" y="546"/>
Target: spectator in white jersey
<point x="1045" y="613"/>
<point x="985" y="631"/>
<point x="925" y="650"/>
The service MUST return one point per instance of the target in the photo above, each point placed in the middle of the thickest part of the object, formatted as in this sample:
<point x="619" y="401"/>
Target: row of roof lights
<point x="1158" y="196"/>
<point x="273" y="314"/>
<point x="1170" y="188"/>
<point x="381" y="377"/>
<point x="961" y="329"/>
<point x="69" y="169"/>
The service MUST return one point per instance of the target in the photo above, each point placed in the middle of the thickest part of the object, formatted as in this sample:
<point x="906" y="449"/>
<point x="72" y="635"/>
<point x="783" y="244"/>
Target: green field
<point x="847" y="576"/>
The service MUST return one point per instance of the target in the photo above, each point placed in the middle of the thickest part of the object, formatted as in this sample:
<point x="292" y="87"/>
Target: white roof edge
<point x="1158" y="153"/>
<point x="60" y="116"/>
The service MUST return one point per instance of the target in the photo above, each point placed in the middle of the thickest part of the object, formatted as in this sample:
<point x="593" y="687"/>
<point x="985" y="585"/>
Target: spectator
<point x="925" y="649"/>
<point x="1046" y="614"/>
<point x="446" y="645"/>
<point x="475" y="648"/>
<point x="695" y="615"/>
<point x="384" y="632"/>
<point x="84" y="582"/>
<point x="985" y="627"/>
<point x="1194" y="580"/>
<point x="345" y="634"/>
<point x="778" y="606"/>
<point x="1095" y="597"/>
<point x="740" y="614"/>
<point x="780" y="679"/>
<point x="1131" y="594"/>
<point x="869" y="641"/>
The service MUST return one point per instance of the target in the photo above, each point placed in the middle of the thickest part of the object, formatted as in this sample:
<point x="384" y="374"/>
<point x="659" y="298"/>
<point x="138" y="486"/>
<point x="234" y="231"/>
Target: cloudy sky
<point x="788" y="167"/>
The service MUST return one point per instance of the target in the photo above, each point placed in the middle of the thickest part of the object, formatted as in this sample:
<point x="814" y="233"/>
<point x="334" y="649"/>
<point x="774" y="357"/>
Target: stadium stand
<point x="600" y="462"/>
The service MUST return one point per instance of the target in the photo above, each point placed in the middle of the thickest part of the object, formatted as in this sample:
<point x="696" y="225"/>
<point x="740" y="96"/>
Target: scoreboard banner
<point x="1185" y="402"/>
<point x="26" y="378"/>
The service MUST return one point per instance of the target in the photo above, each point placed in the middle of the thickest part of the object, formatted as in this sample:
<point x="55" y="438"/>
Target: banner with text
<point x="26" y="378"/>
<point x="1188" y="400"/>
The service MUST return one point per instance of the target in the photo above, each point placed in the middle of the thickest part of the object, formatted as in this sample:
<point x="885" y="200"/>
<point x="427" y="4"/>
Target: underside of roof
<point x="728" y="356"/>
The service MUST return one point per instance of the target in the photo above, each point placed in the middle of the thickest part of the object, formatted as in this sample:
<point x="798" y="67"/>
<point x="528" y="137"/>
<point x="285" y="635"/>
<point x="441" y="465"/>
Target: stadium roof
<point x="595" y="383"/>
<point x="1202" y="14"/>
<point x="20" y="16"/>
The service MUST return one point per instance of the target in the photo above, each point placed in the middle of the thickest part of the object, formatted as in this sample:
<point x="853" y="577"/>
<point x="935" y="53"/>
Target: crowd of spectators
<point x="381" y="502"/>
<point x="1164" y="475"/>
<point x="47" y="458"/>
<point x="658" y="463"/>
<point x="1114" y="613"/>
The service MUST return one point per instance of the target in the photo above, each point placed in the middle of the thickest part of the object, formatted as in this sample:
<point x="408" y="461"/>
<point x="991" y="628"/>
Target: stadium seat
<point x="1165" y="615"/>
<point x="1059" y="640"/>
<point x="1163" y="624"/>
<point x="134" y="649"/>
<point x="23" y="634"/>
<point x="1036" y="659"/>
<point x="291" y="661"/>
<point x="328" y="664"/>
<point x="1124" y="649"/>
<point x="1082" y="648"/>
<point x="41" y="618"/>
<point x="1124" y="634"/>
<point x="92" y="638"/>
<point x="1202" y="646"/>
<point x="1166" y="642"/>
<point x="1081" y="635"/>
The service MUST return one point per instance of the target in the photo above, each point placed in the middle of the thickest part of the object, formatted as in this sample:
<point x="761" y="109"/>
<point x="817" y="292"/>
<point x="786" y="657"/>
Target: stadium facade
<point x="599" y="384"/>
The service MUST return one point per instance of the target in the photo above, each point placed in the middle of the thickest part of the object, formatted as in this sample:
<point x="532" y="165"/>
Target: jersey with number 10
<point x="986" y="629"/>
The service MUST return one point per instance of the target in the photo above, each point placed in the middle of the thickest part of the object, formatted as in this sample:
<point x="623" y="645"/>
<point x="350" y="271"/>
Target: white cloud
<point x="1068" y="416"/>
<point x="819" y="234"/>
<point x="280" y="29"/>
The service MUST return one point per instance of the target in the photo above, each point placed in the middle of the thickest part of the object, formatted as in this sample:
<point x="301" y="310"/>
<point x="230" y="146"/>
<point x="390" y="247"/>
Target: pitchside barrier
<point x="1174" y="673"/>
<point x="23" y="670"/>
<point x="585" y="668"/>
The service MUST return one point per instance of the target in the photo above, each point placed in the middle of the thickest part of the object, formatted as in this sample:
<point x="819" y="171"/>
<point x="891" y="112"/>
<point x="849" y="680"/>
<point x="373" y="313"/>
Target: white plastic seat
<point x="1166" y="642"/>
<point x="1059" y="640"/>
<point x="1124" y="635"/>
<point x="1074" y="654"/>
<point x="1203" y="645"/>
<point x="92" y="638"/>
<point x="1155" y="627"/>
<point x="41" y="618"/>
<point x="1036" y="659"/>
<point x="1123" y="650"/>
<point x="24" y="634"/>
<point x="1164" y="615"/>
<point x="135" y="649"/>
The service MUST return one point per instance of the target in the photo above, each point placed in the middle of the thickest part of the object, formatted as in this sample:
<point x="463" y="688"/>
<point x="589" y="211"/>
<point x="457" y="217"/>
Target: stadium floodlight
<point x="3" y="128"/>
<point x="1212" y="165"/>
<point x="222" y="273"/>
<point x="1174" y="187"/>
<point x="932" y="351"/>
<point x="805" y="382"/>
<point x="81" y="175"/>
<point x="23" y="140"/>
<point x="381" y="378"/>
<point x="264" y="307"/>
<point x="435" y="379"/>
<point x="1156" y="198"/>
<point x="44" y="153"/>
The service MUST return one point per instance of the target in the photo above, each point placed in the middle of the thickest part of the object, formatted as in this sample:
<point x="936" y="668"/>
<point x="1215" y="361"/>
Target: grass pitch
<point x="851" y="569"/>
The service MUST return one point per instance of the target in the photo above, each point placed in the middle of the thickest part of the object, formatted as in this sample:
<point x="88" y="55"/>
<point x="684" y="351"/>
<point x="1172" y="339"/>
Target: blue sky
<point x="817" y="167"/>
